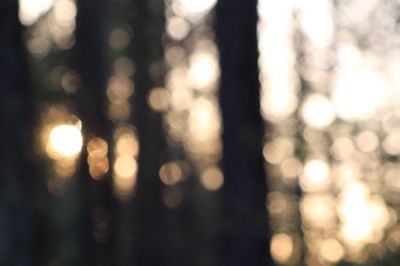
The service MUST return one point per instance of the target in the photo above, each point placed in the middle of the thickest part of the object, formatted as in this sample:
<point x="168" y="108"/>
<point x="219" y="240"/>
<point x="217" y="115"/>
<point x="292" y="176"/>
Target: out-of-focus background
<point x="199" y="132"/>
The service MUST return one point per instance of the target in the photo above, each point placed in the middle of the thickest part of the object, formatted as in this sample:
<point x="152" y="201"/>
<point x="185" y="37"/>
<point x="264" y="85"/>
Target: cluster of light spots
<point x="64" y="14"/>
<point x="119" y="90"/>
<point x="281" y="247"/>
<point x="189" y="99"/>
<point x="364" y="217"/>
<point x="125" y="165"/>
<point x="346" y="106"/>
<point x="279" y="82"/>
<point x="56" y="24"/>
<point x="97" y="150"/>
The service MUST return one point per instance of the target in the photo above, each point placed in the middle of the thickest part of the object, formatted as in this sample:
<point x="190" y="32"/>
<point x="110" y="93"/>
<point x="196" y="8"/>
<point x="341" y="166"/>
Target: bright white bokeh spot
<point x="197" y="6"/>
<point x="315" y="175"/>
<point x="31" y="10"/>
<point x="66" y="140"/>
<point x="316" y="21"/>
<point x="318" y="111"/>
<point x="204" y="70"/>
<point x="359" y="93"/>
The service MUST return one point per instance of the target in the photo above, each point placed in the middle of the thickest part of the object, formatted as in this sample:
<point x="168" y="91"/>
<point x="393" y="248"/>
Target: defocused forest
<point x="199" y="132"/>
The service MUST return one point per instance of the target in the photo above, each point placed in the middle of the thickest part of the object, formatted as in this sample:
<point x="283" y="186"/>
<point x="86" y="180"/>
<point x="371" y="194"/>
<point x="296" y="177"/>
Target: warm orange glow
<point x="97" y="157"/>
<point x="65" y="140"/>
<point x="212" y="178"/>
<point x="125" y="166"/>
<point x="124" y="177"/>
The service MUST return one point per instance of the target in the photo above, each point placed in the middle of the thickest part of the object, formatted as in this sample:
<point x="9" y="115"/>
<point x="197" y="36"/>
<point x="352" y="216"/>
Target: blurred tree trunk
<point x="152" y="242"/>
<point x="15" y="142"/>
<point x="96" y="195"/>
<point x="245" y="227"/>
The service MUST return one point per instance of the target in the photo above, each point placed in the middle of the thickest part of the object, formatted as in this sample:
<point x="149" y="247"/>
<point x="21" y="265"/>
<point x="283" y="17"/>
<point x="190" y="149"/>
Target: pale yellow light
<point x="125" y="166"/>
<point x="281" y="247"/>
<point x="332" y="250"/>
<point x="127" y="144"/>
<point x="318" y="210"/>
<point x="66" y="140"/>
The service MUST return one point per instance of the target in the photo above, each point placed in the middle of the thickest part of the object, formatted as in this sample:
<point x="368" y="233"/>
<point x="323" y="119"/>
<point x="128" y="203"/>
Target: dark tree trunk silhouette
<point x="245" y="228"/>
<point x="92" y="65"/>
<point x="151" y="240"/>
<point x="15" y="142"/>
